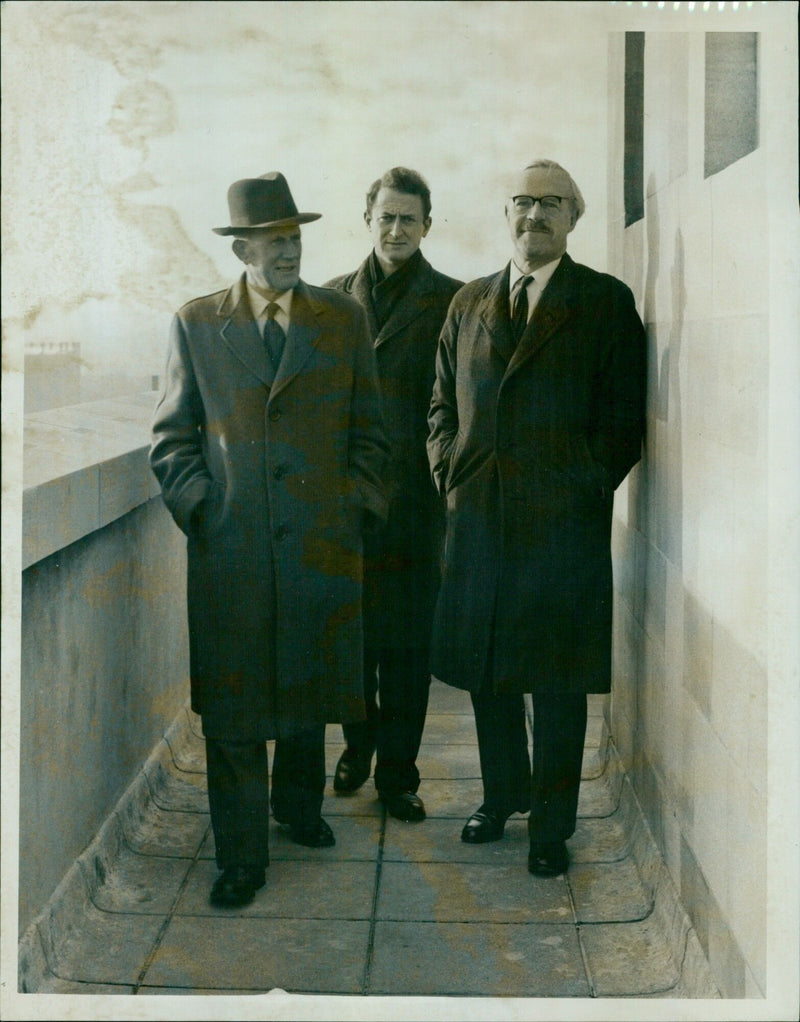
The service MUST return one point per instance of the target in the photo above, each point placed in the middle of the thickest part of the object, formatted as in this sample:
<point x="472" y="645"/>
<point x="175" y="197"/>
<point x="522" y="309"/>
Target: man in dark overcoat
<point x="406" y="301"/>
<point x="269" y="447"/>
<point x="537" y="416"/>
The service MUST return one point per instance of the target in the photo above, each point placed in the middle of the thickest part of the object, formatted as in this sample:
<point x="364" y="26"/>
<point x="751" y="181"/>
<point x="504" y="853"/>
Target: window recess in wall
<point x="731" y="112"/>
<point x="634" y="127"/>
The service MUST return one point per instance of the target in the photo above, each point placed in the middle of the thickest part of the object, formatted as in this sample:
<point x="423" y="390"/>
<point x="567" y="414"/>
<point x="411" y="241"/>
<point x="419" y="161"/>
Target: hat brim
<point x="301" y="218"/>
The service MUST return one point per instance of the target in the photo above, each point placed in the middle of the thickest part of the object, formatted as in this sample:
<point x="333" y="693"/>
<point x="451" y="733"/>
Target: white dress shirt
<point x="541" y="278"/>
<point x="259" y="303"/>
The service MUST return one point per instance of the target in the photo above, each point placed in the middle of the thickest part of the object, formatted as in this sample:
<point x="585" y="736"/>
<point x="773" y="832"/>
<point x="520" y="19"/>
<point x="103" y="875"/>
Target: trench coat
<point x="271" y="475"/>
<point x="402" y="558"/>
<point x="528" y="446"/>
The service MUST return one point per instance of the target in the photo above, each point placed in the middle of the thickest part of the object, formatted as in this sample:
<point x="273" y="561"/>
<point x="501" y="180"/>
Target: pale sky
<point x="124" y="124"/>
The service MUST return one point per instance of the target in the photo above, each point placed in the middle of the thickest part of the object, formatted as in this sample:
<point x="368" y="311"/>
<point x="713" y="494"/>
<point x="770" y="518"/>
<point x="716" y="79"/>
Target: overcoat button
<point x="275" y="414"/>
<point x="281" y="531"/>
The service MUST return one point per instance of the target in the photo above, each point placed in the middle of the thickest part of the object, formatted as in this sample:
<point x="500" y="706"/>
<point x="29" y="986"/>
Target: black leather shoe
<point x="236" y="886"/>
<point x="548" y="860"/>
<point x="352" y="770"/>
<point x="405" y="806"/>
<point x="316" y="834"/>
<point x="485" y="824"/>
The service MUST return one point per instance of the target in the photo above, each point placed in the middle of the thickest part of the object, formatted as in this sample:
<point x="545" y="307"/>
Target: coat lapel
<point x="552" y="310"/>
<point x="240" y="332"/>
<point x="302" y="338"/>
<point x="411" y="306"/>
<point x="362" y="292"/>
<point x="494" y="315"/>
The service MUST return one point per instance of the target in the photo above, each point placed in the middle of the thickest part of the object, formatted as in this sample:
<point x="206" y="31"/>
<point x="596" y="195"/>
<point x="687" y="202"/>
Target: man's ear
<point x="239" y="247"/>
<point x="367" y="218"/>
<point x="426" y="226"/>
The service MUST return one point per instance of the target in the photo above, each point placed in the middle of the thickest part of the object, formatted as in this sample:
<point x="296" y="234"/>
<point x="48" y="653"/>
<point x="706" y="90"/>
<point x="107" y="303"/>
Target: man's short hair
<point x="401" y="179"/>
<point x="580" y="205"/>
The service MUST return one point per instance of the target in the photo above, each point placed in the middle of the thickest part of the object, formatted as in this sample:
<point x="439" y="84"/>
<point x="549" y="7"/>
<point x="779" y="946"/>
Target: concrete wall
<point x="699" y="522"/>
<point x="104" y="649"/>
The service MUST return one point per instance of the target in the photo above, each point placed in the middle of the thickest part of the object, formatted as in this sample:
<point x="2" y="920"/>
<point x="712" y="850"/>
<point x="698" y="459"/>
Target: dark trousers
<point x="550" y="786"/>
<point x="238" y="791"/>
<point x="396" y="687"/>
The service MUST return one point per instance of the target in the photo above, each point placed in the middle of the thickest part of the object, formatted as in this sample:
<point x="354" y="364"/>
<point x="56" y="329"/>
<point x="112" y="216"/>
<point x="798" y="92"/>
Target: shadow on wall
<point x="656" y="494"/>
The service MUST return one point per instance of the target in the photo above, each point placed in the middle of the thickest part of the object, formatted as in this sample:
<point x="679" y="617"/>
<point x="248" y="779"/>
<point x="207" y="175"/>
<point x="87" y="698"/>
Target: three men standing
<point x="406" y="302"/>
<point x="269" y="447"/>
<point x="537" y="416"/>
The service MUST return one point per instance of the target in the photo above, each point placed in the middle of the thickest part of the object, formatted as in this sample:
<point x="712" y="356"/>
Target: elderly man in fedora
<point x="269" y="447"/>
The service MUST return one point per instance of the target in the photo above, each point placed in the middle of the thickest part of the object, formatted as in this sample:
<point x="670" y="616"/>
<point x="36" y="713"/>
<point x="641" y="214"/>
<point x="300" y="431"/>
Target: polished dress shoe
<point x="237" y="886"/>
<point x="352" y="770"/>
<point x="486" y="824"/>
<point x="404" y="805"/>
<point x="548" y="860"/>
<point x="314" y="834"/>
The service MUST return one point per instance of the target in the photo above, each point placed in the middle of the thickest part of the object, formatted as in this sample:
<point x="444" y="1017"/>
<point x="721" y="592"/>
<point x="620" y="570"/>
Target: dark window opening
<point x="731" y="109"/>
<point x="634" y="127"/>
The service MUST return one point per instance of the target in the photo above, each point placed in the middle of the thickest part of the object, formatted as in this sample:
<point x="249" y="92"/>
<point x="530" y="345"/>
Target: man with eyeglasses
<point x="406" y="302"/>
<point x="537" y="416"/>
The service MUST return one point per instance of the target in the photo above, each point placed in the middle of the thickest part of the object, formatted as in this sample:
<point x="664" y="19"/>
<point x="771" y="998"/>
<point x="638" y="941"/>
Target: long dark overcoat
<point x="528" y="445"/>
<point x="269" y="475"/>
<point x="402" y="563"/>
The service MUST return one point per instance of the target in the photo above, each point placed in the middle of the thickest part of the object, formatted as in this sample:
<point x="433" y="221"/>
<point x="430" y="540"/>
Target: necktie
<point x="274" y="337"/>
<point x="519" y="314"/>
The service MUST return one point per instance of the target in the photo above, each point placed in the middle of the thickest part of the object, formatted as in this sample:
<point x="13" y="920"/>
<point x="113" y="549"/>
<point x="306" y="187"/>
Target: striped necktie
<point x="274" y="337"/>
<point x="519" y="314"/>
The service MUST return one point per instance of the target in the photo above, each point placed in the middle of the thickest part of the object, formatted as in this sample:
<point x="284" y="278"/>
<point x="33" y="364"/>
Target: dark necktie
<point x="519" y="313"/>
<point x="274" y="337"/>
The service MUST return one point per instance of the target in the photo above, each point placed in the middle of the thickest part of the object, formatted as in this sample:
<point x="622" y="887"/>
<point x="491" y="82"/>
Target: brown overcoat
<point x="528" y="445"/>
<point x="270" y="475"/>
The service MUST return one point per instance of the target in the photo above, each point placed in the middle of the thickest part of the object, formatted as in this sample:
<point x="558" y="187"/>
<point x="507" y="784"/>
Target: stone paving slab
<point x="294" y="890"/>
<point x="188" y="750"/>
<point x="608" y="892"/>
<point x="454" y="798"/>
<point x="87" y="945"/>
<point x="470" y="892"/>
<point x="163" y="832"/>
<point x="255" y="955"/>
<point x="448" y="919"/>
<point x="364" y="802"/>
<point x="447" y="699"/>
<point x="357" y="838"/>
<point x="450" y="729"/>
<point x="599" y="839"/>
<point x="458" y="959"/>
<point x="141" y="884"/>
<point x="598" y="797"/>
<point x="177" y="791"/>
<point x="439" y="840"/>
<point x="629" y="959"/>
<point x="446" y="762"/>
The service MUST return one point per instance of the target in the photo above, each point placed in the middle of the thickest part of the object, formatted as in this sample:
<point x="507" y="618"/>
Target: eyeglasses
<point x="525" y="203"/>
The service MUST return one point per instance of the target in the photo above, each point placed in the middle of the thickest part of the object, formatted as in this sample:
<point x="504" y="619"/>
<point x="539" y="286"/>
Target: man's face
<point x="539" y="230"/>
<point x="272" y="257"/>
<point x="397" y="225"/>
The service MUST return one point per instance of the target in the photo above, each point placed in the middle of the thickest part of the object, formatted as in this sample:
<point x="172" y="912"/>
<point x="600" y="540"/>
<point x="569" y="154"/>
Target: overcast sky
<point x="125" y="123"/>
<point x="130" y="120"/>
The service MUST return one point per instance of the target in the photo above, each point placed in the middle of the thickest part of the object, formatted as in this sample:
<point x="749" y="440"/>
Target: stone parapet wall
<point x="104" y="647"/>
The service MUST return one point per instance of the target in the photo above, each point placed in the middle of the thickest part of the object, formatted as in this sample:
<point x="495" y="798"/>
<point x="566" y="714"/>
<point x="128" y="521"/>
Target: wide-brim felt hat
<point x="258" y="202"/>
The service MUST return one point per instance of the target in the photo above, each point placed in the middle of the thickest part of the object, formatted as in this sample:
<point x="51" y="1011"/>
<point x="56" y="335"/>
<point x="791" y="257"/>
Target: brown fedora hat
<point x="258" y="202"/>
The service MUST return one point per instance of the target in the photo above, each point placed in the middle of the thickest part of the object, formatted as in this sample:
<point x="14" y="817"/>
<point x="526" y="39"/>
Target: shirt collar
<point x="541" y="276"/>
<point x="259" y="302"/>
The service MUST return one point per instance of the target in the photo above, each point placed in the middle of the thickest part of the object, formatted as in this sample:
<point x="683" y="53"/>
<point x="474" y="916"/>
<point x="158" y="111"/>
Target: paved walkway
<point x="393" y="908"/>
